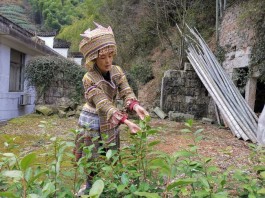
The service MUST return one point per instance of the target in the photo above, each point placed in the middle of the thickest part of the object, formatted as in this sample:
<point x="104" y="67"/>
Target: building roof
<point x="75" y="54"/>
<point x="14" y="32"/>
<point x="60" y="43"/>
<point x="46" y="34"/>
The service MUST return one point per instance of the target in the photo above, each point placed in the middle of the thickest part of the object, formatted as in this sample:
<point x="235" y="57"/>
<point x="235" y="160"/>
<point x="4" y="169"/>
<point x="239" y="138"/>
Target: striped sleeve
<point x="125" y="91"/>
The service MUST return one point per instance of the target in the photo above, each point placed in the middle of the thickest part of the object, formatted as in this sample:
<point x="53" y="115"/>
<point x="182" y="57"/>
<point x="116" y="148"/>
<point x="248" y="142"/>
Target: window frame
<point x="16" y="75"/>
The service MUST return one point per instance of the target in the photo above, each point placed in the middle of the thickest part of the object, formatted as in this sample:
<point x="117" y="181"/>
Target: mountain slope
<point x="17" y="12"/>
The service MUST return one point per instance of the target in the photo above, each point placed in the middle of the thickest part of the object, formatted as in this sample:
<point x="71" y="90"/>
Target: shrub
<point x="43" y="71"/>
<point x="136" y="170"/>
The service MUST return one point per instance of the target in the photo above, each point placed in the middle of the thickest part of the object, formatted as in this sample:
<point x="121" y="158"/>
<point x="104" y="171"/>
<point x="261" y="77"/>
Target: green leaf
<point x="38" y="175"/>
<point x="109" y="154"/>
<point x="261" y="191"/>
<point x="41" y="125"/>
<point x="207" y="160"/>
<point x="7" y="194"/>
<point x="128" y="196"/>
<point x="185" y="130"/>
<point x="153" y="143"/>
<point x="144" y="186"/>
<point x="9" y="154"/>
<point x="201" y="193"/>
<point x="262" y="174"/>
<point x="220" y="195"/>
<point x="133" y="188"/>
<point x="259" y="168"/>
<point x="198" y="131"/>
<point x="151" y="131"/>
<point x="160" y="164"/>
<point x="48" y="189"/>
<point x="28" y="174"/>
<point x="33" y="196"/>
<point x="107" y="168"/>
<point x="211" y="169"/>
<point x="183" y="154"/>
<point x="13" y="174"/>
<point x="124" y="179"/>
<point x="181" y="182"/>
<point x="97" y="188"/>
<point x="204" y="182"/>
<point x="251" y="195"/>
<point x="53" y="139"/>
<point x="120" y="188"/>
<point x="189" y="123"/>
<point x="193" y="148"/>
<point x="199" y="138"/>
<point x="27" y="160"/>
<point x="147" y="195"/>
<point x="147" y="118"/>
<point x="142" y="124"/>
<point x="194" y="163"/>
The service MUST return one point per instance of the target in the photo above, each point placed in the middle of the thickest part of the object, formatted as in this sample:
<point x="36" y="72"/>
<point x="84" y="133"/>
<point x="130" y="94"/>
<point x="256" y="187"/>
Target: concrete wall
<point x="237" y="38"/>
<point x="9" y="101"/>
<point x="62" y="51"/>
<point x="78" y="60"/>
<point x="48" y="40"/>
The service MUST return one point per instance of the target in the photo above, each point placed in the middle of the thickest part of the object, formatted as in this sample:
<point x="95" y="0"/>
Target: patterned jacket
<point x="100" y="95"/>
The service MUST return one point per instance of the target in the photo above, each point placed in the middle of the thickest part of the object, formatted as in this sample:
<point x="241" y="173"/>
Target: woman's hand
<point x="134" y="128"/>
<point x="141" y="112"/>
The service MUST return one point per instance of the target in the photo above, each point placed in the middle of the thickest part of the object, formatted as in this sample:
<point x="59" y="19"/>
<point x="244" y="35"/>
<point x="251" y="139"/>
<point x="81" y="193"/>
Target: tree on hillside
<point x="53" y="14"/>
<point x="89" y="9"/>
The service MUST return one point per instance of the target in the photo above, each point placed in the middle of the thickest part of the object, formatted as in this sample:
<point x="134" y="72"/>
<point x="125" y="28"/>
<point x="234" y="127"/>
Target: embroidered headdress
<point x="98" y="41"/>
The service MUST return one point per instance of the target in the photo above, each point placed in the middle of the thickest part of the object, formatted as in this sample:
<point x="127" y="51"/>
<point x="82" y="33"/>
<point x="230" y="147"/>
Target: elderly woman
<point x="102" y="83"/>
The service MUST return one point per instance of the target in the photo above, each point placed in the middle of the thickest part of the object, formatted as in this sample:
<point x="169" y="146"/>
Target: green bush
<point x="137" y="170"/>
<point x="43" y="71"/>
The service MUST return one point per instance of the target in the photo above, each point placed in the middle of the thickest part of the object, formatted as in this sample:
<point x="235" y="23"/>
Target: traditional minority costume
<point x="99" y="113"/>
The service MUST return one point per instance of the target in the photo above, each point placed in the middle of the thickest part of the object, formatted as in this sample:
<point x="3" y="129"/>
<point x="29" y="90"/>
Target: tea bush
<point x="136" y="170"/>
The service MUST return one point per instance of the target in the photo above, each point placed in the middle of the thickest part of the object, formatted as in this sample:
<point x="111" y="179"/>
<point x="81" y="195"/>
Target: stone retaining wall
<point x="182" y="91"/>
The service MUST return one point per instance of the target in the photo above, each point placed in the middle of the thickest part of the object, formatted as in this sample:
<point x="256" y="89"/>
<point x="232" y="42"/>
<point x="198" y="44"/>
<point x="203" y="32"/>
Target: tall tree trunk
<point x="217" y="21"/>
<point x="181" y="55"/>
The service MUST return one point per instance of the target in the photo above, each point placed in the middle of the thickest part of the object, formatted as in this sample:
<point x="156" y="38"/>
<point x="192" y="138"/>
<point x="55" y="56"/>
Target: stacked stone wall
<point x="182" y="91"/>
<point x="59" y="89"/>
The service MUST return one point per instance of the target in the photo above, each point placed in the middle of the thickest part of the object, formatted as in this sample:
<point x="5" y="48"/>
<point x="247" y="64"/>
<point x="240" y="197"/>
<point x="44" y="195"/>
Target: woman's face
<point x="104" y="62"/>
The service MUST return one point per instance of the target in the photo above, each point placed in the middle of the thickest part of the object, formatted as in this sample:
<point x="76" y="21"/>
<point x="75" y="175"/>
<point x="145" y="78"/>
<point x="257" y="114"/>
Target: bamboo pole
<point x="207" y="83"/>
<point x="229" y="82"/>
<point x="252" y="118"/>
<point x="238" y="115"/>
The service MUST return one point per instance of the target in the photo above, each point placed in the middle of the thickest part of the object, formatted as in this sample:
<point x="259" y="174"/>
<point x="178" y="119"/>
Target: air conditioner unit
<point x="24" y="99"/>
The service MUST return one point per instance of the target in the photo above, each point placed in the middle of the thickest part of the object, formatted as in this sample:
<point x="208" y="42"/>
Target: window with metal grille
<point x="16" y="77"/>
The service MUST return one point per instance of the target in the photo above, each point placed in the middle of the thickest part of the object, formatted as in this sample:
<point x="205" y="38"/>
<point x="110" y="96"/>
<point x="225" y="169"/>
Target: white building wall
<point x="77" y="60"/>
<point x="48" y="40"/>
<point x="4" y="68"/>
<point x="62" y="51"/>
<point x="9" y="101"/>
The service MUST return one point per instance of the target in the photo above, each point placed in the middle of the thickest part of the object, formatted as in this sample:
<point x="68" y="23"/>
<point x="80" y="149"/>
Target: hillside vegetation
<point x="140" y="27"/>
<point x="17" y="12"/>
